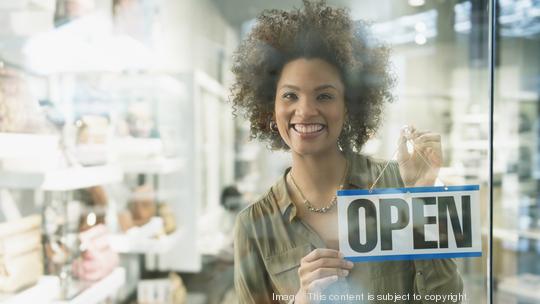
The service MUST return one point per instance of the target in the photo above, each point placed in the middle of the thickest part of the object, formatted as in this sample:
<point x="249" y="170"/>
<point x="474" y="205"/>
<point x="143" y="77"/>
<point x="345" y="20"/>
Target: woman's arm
<point x="250" y="277"/>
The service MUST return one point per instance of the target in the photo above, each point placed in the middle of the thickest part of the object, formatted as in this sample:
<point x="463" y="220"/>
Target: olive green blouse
<point x="270" y="240"/>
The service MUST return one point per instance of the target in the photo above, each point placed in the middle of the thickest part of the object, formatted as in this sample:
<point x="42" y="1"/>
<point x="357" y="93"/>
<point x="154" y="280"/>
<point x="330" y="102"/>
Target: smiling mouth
<point x="307" y="128"/>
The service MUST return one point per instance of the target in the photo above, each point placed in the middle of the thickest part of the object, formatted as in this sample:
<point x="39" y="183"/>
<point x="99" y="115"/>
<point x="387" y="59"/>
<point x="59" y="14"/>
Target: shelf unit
<point x="524" y="287"/>
<point x="17" y="145"/>
<point x="131" y="243"/>
<point x="100" y="290"/>
<point x="62" y="179"/>
<point x="159" y="165"/>
<point x="48" y="289"/>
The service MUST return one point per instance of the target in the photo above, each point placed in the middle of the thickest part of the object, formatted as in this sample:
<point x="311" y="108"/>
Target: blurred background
<point x="122" y="167"/>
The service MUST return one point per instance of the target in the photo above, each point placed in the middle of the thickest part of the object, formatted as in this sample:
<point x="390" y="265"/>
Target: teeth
<point x="308" y="128"/>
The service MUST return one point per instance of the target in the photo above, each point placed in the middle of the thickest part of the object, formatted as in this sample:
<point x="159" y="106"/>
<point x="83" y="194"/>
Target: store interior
<point x="123" y="163"/>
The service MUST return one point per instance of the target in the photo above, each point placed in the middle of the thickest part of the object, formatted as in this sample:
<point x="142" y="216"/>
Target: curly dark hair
<point x="317" y="31"/>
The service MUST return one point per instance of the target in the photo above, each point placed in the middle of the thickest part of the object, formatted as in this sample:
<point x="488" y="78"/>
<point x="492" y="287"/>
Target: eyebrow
<point x="324" y="87"/>
<point x="319" y="88"/>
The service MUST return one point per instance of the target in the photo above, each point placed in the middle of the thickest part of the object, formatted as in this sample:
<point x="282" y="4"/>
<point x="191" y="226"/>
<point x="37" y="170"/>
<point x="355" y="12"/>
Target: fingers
<point x="323" y="258"/>
<point x="321" y="284"/>
<point x="321" y="273"/>
<point x="403" y="149"/>
<point x="327" y="263"/>
<point x="321" y="253"/>
<point x="422" y="140"/>
<point x="426" y="137"/>
<point x="319" y="267"/>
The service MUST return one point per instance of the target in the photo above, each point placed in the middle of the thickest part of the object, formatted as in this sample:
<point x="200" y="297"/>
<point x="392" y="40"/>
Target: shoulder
<point x="264" y="211"/>
<point x="261" y="207"/>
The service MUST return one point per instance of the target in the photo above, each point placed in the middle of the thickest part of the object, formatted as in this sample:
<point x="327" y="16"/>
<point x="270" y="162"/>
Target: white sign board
<point x="409" y="223"/>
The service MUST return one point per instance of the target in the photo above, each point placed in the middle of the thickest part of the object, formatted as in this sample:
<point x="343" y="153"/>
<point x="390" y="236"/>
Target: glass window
<point x="515" y="180"/>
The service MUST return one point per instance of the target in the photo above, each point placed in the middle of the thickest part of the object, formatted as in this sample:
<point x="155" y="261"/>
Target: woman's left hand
<point x="421" y="166"/>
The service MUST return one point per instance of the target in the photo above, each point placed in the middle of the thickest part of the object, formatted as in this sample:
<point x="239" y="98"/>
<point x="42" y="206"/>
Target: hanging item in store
<point x="20" y="253"/>
<point x="97" y="257"/>
<point x="409" y="223"/>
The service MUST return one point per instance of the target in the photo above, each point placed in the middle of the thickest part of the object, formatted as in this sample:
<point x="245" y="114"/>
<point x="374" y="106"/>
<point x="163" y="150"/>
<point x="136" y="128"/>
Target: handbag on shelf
<point x="20" y="253"/>
<point x="97" y="258"/>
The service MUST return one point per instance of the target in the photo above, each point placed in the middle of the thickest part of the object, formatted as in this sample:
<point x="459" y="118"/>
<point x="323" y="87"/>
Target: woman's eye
<point x="289" y="96"/>
<point x="325" y="97"/>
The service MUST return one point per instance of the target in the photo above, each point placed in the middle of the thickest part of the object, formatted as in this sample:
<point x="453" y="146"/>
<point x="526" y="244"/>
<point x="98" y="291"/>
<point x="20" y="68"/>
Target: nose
<point x="306" y="107"/>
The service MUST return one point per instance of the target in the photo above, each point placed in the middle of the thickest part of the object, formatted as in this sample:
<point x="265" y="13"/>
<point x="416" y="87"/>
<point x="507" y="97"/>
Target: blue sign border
<point x="423" y="256"/>
<point x="408" y="190"/>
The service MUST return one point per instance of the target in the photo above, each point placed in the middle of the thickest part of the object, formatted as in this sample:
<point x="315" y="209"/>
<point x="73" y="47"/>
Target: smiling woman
<point x="321" y="32"/>
<point x="309" y="106"/>
<point x="312" y="82"/>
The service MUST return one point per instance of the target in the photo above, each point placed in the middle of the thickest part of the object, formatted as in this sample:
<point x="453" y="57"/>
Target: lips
<point x="307" y="128"/>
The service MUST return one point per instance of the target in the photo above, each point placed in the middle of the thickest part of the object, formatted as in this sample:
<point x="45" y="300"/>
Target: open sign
<point x="409" y="223"/>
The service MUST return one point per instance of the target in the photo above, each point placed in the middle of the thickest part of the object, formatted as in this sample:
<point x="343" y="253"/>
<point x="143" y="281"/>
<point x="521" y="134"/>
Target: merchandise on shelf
<point x="20" y="253"/>
<point x="19" y="110"/>
<point x="97" y="259"/>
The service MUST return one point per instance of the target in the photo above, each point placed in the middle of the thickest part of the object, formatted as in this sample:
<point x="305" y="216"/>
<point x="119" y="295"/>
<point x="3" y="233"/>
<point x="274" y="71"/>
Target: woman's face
<point x="310" y="106"/>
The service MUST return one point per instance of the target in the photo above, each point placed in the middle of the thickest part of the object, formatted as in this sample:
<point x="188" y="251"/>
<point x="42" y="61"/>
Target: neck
<point x="319" y="176"/>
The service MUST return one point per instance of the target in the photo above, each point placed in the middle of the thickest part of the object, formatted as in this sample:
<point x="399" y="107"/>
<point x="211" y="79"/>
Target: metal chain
<point x="394" y="155"/>
<point x="333" y="202"/>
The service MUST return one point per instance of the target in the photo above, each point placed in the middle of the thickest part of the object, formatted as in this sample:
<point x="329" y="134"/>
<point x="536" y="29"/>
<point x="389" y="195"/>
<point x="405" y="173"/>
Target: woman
<point x="312" y="82"/>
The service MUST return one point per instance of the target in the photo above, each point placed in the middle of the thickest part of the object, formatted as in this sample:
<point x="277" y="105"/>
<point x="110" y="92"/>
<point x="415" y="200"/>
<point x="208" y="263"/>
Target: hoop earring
<point x="347" y="128"/>
<point x="273" y="126"/>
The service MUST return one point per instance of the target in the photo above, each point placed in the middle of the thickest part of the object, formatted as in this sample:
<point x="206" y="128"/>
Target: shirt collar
<point x="353" y="180"/>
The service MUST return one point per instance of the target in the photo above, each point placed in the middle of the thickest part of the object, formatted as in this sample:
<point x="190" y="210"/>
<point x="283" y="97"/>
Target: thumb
<point x="403" y="151"/>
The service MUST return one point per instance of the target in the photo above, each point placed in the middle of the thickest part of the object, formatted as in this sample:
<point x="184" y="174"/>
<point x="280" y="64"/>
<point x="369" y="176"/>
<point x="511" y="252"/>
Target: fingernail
<point x="344" y="272"/>
<point x="350" y="264"/>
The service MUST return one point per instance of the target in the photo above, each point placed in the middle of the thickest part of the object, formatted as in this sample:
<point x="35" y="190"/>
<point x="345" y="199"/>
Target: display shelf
<point x="513" y="235"/>
<point x="134" y="243"/>
<point x="524" y="286"/>
<point x="160" y="165"/>
<point x="62" y="179"/>
<point x="158" y="195"/>
<point x="18" y="145"/>
<point x="100" y="290"/>
<point x="48" y="289"/>
<point x="45" y="290"/>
